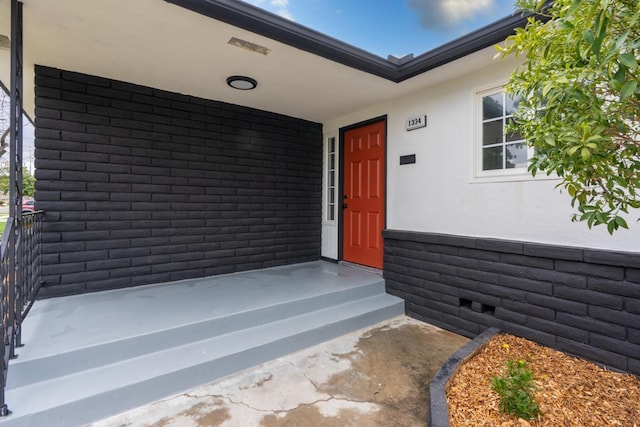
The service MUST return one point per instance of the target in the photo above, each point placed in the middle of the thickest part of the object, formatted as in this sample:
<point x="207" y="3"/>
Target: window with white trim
<point x="331" y="179"/>
<point x="499" y="152"/>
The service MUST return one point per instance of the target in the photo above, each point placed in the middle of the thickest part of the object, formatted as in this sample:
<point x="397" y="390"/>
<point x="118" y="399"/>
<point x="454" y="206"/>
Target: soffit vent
<point x="234" y="41"/>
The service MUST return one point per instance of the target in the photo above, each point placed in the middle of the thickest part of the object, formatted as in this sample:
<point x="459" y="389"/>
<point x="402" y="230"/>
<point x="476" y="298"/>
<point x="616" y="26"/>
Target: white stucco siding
<point x="439" y="192"/>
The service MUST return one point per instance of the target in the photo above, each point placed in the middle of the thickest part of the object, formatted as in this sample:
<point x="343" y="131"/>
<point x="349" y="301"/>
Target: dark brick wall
<point x="583" y="301"/>
<point x="140" y="185"/>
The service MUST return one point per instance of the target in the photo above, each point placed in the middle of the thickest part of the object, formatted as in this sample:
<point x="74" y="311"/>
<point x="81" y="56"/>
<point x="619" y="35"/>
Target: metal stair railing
<point x="7" y="308"/>
<point x="31" y="275"/>
<point x="20" y="281"/>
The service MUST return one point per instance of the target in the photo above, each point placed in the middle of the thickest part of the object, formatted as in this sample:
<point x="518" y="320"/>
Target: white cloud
<point x="444" y="15"/>
<point x="279" y="7"/>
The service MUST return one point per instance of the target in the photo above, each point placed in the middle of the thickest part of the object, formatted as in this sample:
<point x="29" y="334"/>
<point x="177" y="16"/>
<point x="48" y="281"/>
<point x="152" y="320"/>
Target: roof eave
<point x="487" y="36"/>
<point x="256" y="20"/>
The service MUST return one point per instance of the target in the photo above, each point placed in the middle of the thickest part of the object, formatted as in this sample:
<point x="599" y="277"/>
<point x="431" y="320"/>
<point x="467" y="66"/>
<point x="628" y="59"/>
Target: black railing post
<point x="15" y="150"/>
<point x="11" y="305"/>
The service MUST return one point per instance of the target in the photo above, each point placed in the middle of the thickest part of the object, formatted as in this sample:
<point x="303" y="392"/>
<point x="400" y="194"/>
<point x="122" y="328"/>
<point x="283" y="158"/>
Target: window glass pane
<point x="492" y="132"/>
<point x="512" y="105"/>
<point x="499" y="149"/>
<point x="332" y="145"/>
<point x="516" y="155"/>
<point x="492" y="106"/>
<point x="331" y="179"/>
<point x="492" y="158"/>
<point x="514" y="136"/>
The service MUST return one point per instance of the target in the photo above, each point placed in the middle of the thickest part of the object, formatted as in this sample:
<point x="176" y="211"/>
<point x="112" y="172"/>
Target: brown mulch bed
<point x="571" y="391"/>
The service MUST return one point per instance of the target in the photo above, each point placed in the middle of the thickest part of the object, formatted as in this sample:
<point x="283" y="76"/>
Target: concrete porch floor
<point x="377" y="376"/>
<point x="63" y="324"/>
<point x="87" y="357"/>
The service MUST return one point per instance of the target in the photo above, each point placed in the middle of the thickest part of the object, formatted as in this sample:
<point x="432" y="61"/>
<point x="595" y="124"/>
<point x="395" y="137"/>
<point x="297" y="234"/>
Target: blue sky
<point x="396" y="27"/>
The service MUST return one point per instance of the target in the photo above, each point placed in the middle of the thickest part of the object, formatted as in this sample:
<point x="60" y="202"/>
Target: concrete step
<point x="29" y="369"/>
<point x="84" y="384"/>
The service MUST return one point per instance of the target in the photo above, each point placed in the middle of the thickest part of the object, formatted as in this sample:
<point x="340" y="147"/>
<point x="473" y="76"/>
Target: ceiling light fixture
<point x="242" y="82"/>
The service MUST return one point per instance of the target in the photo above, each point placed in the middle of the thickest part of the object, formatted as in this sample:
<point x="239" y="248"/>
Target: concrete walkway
<point x="377" y="376"/>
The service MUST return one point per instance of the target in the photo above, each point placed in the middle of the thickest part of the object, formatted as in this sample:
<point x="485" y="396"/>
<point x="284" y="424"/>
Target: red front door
<point x="364" y="185"/>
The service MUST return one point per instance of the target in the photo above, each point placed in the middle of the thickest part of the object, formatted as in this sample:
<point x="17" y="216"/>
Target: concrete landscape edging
<point x="438" y="409"/>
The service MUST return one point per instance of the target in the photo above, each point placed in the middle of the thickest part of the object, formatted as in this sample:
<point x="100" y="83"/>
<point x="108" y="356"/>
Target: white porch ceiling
<point x="158" y="44"/>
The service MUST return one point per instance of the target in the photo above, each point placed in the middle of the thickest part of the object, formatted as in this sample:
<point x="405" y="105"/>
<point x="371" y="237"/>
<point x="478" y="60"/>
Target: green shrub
<point x="516" y="389"/>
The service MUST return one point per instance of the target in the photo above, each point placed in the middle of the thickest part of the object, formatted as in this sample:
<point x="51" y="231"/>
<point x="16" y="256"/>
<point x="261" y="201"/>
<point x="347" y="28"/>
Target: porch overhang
<point x="250" y="18"/>
<point x="165" y="45"/>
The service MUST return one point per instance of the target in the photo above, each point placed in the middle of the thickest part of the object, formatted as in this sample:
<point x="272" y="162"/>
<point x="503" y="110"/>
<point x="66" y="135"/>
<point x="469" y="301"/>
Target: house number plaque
<point x="416" y="122"/>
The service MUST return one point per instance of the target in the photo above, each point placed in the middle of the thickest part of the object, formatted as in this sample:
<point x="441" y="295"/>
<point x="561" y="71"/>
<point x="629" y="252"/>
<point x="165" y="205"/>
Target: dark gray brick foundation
<point x="140" y="185"/>
<point x="583" y="301"/>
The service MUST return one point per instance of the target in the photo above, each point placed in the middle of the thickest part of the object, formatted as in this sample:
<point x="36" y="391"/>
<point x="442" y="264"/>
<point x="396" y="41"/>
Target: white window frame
<point x="494" y="175"/>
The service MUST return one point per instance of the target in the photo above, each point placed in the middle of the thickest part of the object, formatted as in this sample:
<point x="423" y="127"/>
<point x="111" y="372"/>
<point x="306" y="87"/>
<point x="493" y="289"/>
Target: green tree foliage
<point x="579" y="88"/>
<point x="28" y="184"/>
